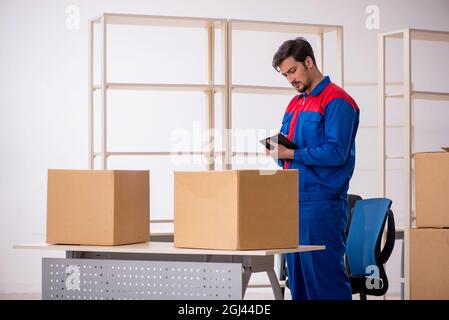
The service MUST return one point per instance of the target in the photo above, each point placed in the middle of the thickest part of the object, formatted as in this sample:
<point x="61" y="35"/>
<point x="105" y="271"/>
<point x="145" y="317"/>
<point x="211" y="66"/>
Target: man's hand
<point x="279" y="151"/>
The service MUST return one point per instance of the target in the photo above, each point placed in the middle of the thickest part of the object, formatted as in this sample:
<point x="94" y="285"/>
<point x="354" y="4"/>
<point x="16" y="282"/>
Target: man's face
<point x="297" y="74"/>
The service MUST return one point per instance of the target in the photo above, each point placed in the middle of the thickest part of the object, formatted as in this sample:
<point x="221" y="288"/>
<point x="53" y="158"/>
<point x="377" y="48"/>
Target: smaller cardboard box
<point x="429" y="264"/>
<point x="97" y="207"/>
<point x="236" y="209"/>
<point x="432" y="189"/>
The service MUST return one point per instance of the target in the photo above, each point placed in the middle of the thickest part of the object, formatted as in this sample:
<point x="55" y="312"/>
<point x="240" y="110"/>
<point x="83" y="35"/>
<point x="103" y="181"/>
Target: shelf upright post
<point x="210" y="112"/>
<point x="90" y="103"/>
<point x="227" y="102"/>
<point x="321" y="51"/>
<point x="103" y="80"/>
<point x="382" y="118"/>
<point x="407" y="158"/>
<point x="341" y="62"/>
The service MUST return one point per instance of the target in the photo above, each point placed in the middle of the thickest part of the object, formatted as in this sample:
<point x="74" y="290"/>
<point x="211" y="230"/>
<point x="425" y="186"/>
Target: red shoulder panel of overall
<point x="331" y="92"/>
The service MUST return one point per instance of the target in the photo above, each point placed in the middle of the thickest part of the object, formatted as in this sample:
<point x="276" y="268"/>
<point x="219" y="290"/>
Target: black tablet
<point x="280" y="139"/>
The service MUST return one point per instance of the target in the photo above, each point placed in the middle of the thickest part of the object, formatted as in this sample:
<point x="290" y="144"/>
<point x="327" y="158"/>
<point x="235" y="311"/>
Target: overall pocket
<point x="312" y="130"/>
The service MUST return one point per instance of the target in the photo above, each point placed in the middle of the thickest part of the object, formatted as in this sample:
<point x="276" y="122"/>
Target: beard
<point x="299" y="86"/>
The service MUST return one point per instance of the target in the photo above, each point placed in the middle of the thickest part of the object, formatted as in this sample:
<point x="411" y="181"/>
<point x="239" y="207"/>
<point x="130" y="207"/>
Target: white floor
<point x="267" y="294"/>
<point x="251" y="294"/>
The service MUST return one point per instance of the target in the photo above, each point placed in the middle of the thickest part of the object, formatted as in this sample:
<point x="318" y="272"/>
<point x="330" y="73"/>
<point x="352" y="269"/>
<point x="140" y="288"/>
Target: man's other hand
<point x="279" y="151"/>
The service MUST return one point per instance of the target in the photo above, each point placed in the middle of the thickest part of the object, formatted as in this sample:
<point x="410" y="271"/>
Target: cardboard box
<point x="429" y="264"/>
<point x="236" y="209"/>
<point x="97" y="207"/>
<point x="431" y="189"/>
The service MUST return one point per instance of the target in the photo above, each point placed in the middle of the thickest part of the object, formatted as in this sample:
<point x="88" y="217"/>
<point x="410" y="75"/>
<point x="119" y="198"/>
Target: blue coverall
<point x="323" y="124"/>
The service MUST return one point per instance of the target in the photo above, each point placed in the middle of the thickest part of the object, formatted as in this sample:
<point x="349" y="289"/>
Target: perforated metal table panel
<point x="92" y="279"/>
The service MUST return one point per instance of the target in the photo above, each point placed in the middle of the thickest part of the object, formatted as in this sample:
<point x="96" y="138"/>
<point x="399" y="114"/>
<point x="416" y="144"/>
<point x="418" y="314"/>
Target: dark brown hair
<point x="298" y="48"/>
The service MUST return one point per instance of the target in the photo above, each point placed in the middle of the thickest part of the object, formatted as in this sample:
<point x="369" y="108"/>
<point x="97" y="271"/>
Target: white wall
<point x="43" y="97"/>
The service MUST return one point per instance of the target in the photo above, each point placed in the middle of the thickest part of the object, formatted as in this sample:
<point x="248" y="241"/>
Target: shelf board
<point x="398" y="34"/>
<point x="394" y="95"/>
<point x="430" y="35"/>
<point x="420" y="34"/>
<point x="195" y="22"/>
<point x="375" y="126"/>
<point x="287" y="27"/>
<point x="248" y="154"/>
<point x="423" y="95"/>
<point x="161" y="21"/>
<point x="161" y="87"/>
<point x="198" y="87"/>
<point x="180" y="153"/>
<point x="161" y="221"/>
<point x="442" y="96"/>
<point x="263" y="90"/>
<point x="153" y="153"/>
<point x="371" y="83"/>
<point x="394" y="157"/>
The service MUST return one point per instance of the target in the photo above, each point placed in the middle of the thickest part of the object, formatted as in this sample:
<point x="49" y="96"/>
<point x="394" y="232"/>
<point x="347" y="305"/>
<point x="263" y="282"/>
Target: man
<point x="322" y="120"/>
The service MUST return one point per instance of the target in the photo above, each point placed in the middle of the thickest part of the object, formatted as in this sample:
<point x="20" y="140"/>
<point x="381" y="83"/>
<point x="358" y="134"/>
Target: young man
<point x="322" y="120"/>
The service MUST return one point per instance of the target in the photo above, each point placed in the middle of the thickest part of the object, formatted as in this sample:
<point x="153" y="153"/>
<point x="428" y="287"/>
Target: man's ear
<point x="309" y="62"/>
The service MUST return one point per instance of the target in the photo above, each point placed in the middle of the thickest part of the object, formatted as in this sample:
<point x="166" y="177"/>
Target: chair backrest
<point x="365" y="233"/>
<point x="352" y="198"/>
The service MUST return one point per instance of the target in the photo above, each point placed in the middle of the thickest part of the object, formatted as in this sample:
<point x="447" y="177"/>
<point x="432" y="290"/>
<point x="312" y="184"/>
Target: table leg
<point x="245" y="279"/>
<point x="275" y="285"/>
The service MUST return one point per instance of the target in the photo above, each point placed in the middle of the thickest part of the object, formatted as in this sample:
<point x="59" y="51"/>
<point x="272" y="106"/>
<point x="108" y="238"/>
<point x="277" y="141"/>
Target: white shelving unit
<point x="408" y="94"/>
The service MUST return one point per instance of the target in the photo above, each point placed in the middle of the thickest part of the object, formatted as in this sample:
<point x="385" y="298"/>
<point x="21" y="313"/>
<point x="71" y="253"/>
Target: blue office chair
<point x="364" y="256"/>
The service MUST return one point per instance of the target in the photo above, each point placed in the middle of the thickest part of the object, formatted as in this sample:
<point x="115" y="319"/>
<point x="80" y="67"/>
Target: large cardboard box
<point x="97" y="207"/>
<point x="429" y="264"/>
<point x="236" y="209"/>
<point x="431" y="189"/>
